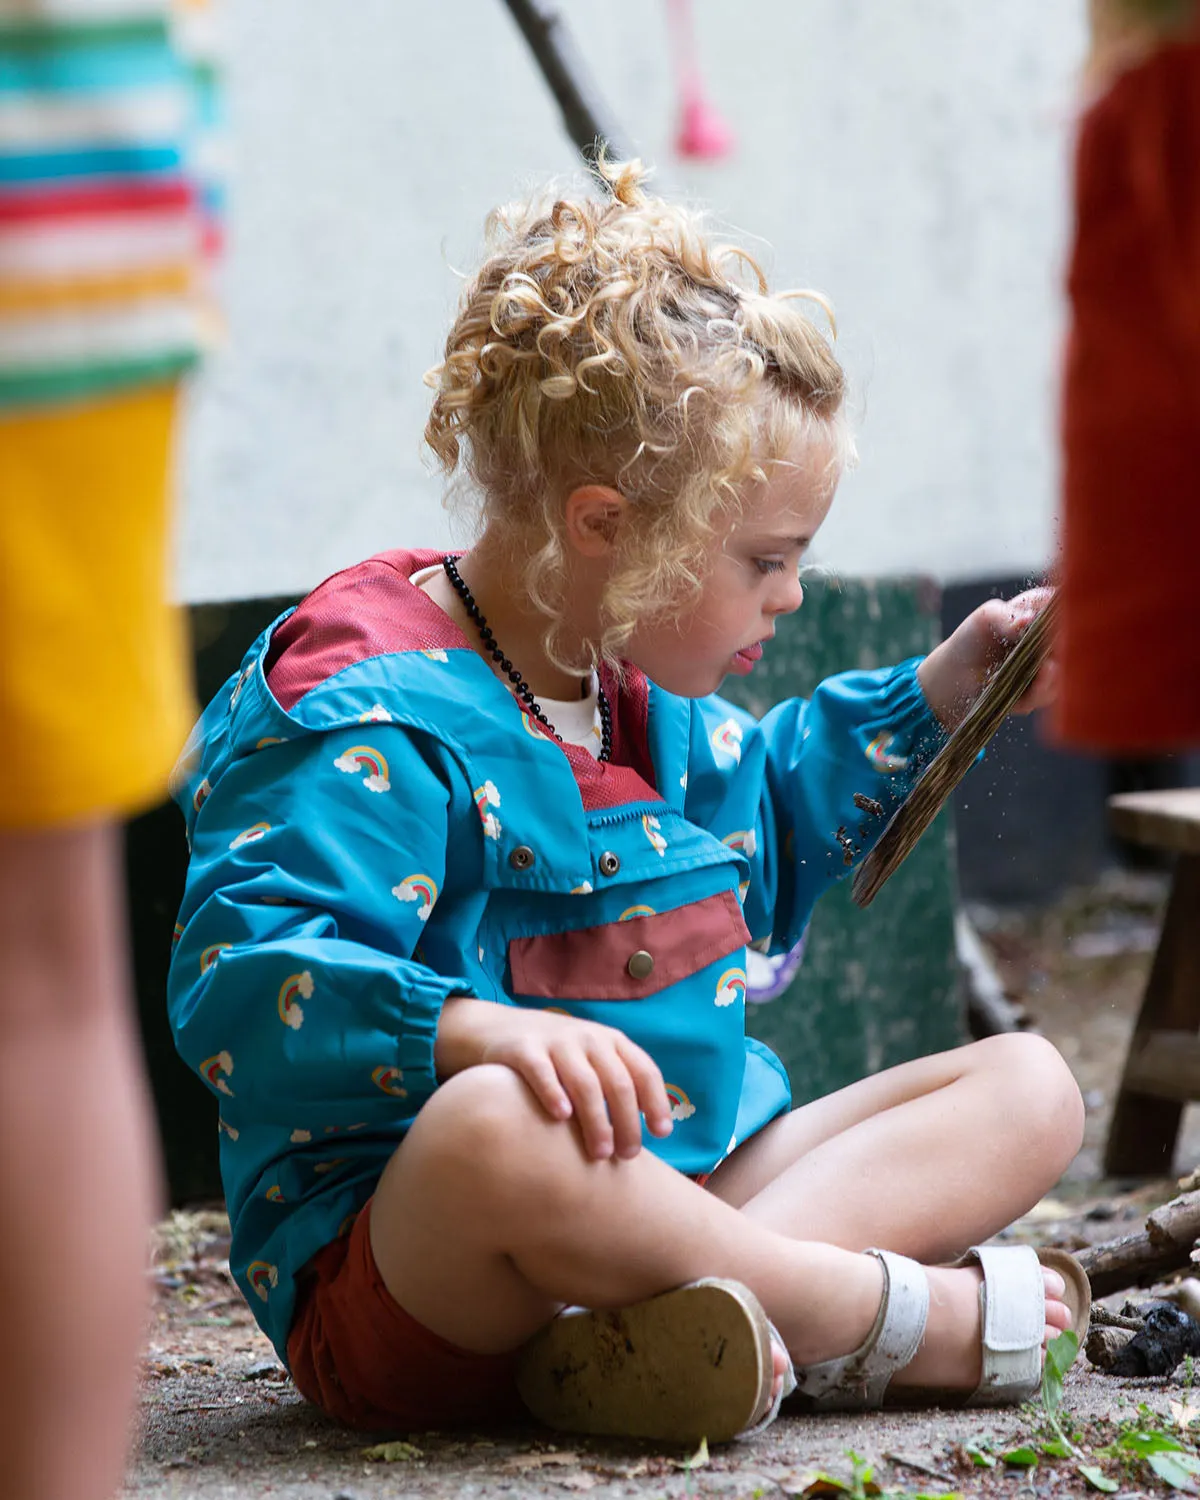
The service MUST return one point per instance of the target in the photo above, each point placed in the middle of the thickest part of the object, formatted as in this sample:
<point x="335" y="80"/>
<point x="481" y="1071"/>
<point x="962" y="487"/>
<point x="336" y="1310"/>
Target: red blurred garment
<point x="1130" y="642"/>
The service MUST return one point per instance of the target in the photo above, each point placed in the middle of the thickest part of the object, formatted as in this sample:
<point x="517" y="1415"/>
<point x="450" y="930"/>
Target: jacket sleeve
<point x="299" y="987"/>
<point x="793" y="781"/>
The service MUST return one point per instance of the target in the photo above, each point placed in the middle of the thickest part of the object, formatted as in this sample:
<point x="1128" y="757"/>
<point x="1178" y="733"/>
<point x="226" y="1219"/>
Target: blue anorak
<point x="376" y="825"/>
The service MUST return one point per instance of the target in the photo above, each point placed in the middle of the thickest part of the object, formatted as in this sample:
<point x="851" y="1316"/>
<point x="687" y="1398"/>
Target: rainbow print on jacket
<point x="364" y="758"/>
<point x="682" y="1107"/>
<point x="486" y="797"/>
<point x="390" y="1080"/>
<point x="250" y="835"/>
<point x="216" y="1070"/>
<point x="288" y="1004"/>
<point x="420" y="888"/>
<point x="731" y="987"/>
<point x="877" y="753"/>
<point x="263" y="1277"/>
<point x="209" y="955"/>
<point x="650" y="827"/>
<point x="727" y="739"/>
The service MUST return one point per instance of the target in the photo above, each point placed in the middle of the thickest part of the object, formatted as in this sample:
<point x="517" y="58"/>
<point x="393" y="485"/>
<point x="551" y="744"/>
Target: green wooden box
<point x="880" y="986"/>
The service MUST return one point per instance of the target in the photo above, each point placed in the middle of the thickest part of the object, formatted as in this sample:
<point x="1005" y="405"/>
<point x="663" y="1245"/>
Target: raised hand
<point x="953" y="673"/>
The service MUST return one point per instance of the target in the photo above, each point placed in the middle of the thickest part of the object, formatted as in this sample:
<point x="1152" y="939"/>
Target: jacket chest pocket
<point x="630" y="959"/>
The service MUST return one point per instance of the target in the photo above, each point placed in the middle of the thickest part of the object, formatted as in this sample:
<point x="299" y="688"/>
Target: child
<point x="476" y="855"/>
<point x="104" y="216"/>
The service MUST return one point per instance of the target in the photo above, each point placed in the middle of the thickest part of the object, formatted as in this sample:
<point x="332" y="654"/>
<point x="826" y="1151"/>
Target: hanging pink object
<point x="703" y="134"/>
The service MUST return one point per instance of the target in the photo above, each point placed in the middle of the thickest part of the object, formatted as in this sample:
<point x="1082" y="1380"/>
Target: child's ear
<point x="592" y="517"/>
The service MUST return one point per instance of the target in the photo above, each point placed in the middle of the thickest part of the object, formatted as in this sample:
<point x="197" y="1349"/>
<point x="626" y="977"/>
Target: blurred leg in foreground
<point x="93" y="708"/>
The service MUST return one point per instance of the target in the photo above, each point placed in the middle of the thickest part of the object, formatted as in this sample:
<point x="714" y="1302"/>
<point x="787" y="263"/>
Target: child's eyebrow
<point x="800" y="542"/>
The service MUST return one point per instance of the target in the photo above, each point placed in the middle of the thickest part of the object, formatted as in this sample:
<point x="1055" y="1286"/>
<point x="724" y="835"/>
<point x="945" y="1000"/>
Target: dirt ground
<point x="220" y="1419"/>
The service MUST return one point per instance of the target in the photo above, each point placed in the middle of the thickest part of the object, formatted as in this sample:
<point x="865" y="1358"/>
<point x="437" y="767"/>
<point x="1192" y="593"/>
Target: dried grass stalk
<point x="1011" y="679"/>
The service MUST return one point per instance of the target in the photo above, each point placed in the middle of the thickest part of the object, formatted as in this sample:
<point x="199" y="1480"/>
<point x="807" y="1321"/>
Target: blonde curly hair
<point x="616" y="342"/>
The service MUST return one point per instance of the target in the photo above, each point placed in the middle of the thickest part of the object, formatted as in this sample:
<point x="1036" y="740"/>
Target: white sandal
<point x="692" y="1363"/>
<point x="1012" y="1298"/>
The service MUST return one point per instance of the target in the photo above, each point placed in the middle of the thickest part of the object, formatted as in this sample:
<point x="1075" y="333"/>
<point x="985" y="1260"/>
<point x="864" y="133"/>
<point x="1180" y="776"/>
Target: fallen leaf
<point x="1183" y="1413"/>
<point x="1048" y="1208"/>
<point x="697" y="1460"/>
<point x="519" y="1462"/>
<point x="1098" y="1479"/>
<point x="392" y="1453"/>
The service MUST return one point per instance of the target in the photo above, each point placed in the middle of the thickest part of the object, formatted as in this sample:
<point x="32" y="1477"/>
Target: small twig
<point x="1102" y="1318"/>
<point x="911" y="1463"/>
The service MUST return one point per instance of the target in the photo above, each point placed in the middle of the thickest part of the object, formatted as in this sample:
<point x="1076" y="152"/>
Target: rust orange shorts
<point x="356" y="1353"/>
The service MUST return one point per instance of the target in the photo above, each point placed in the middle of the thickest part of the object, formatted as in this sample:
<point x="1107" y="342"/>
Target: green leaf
<point x="1098" y="1479"/>
<point x="1057" y="1448"/>
<point x="392" y="1453"/>
<point x="980" y="1457"/>
<point x="1145" y="1444"/>
<point x="1060" y="1356"/>
<point x="1175" y="1469"/>
<point x="1020" y="1458"/>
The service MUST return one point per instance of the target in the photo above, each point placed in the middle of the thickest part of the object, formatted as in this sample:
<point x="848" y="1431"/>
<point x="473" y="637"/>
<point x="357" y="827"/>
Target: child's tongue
<point x="743" y="660"/>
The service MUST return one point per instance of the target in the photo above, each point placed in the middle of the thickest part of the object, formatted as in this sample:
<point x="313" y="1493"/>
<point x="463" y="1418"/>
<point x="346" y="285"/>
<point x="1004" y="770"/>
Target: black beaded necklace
<point x="478" y="619"/>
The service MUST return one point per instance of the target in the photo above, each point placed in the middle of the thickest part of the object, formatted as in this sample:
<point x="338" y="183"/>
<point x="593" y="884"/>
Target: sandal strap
<point x="1013" y="1304"/>
<point x="859" y="1380"/>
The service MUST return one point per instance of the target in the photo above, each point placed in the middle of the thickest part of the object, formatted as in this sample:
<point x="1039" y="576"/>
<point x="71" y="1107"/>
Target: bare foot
<point x="950" y="1356"/>
<point x="779" y="1359"/>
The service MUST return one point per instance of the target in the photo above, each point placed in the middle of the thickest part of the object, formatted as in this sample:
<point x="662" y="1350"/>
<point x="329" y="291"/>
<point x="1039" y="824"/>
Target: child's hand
<point x="574" y="1067"/>
<point x="953" y="673"/>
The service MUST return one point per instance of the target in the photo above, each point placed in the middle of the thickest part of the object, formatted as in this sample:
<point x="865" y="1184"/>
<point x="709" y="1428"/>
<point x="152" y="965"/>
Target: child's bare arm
<point x="573" y="1067"/>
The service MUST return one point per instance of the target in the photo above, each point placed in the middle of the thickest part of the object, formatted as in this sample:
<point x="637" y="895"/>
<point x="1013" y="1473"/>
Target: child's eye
<point x="769" y="565"/>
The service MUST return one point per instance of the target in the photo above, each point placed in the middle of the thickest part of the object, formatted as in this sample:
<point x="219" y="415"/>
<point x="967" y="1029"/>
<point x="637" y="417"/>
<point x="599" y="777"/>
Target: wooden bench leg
<point x="1142" y="1135"/>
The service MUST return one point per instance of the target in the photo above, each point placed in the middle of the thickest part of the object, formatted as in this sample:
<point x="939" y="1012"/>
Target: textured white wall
<point x="910" y="160"/>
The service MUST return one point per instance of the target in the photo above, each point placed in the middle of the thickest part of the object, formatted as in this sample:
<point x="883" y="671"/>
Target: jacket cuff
<point x="427" y="994"/>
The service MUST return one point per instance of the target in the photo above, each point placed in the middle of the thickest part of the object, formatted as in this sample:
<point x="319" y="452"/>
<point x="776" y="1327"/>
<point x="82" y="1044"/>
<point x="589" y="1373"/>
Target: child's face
<point x="752" y="580"/>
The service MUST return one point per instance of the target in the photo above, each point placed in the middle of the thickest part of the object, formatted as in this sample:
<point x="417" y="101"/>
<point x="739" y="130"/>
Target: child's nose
<point x="789" y="598"/>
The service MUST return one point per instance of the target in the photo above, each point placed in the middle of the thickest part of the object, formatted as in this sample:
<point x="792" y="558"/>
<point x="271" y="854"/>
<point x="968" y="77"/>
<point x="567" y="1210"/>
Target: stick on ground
<point x="1013" y="677"/>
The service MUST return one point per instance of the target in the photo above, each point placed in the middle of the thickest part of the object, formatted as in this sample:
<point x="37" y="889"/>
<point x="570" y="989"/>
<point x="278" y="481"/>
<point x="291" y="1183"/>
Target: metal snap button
<point x="522" y="857"/>
<point x="640" y="964"/>
<point x="608" y="863"/>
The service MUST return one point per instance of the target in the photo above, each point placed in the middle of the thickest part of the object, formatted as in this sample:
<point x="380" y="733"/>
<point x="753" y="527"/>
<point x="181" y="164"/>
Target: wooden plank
<point x="1141" y="1138"/>
<point x="1163" y="820"/>
<point x="1166" y="1066"/>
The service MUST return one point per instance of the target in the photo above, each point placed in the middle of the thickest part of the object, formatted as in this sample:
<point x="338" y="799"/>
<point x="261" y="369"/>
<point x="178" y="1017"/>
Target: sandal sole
<point x="1078" y="1295"/>
<point x="693" y="1363"/>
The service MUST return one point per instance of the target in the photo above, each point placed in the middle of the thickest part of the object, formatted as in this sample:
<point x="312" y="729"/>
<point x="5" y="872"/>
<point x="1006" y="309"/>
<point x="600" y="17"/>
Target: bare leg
<point x="925" y="1159"/>
<point x="489" y="1218"/>
<point x="76" y="1168"/>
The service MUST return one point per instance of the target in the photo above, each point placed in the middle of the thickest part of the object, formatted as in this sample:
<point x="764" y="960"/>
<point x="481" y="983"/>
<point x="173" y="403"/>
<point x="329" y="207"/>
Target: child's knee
<point x="485" y="1130"/>
<point x="1040" y="1090"/>
<point x="482" y="1111"/>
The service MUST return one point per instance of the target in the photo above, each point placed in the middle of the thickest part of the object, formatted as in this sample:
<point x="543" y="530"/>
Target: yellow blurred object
<point x="94" y="695"/>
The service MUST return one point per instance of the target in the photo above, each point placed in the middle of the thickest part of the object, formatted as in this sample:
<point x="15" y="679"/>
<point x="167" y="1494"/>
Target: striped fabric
<point x="109" y="196"/>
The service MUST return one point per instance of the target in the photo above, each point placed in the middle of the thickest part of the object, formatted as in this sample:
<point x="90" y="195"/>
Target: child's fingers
<point x="651" y="1091"/>
<point x="1013" y="617"/>
<point x="1043" y="690"/>
<point x="578" y="1076"/>
<point x="621" y="1097"/>
<point x="535" y="1067"/>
